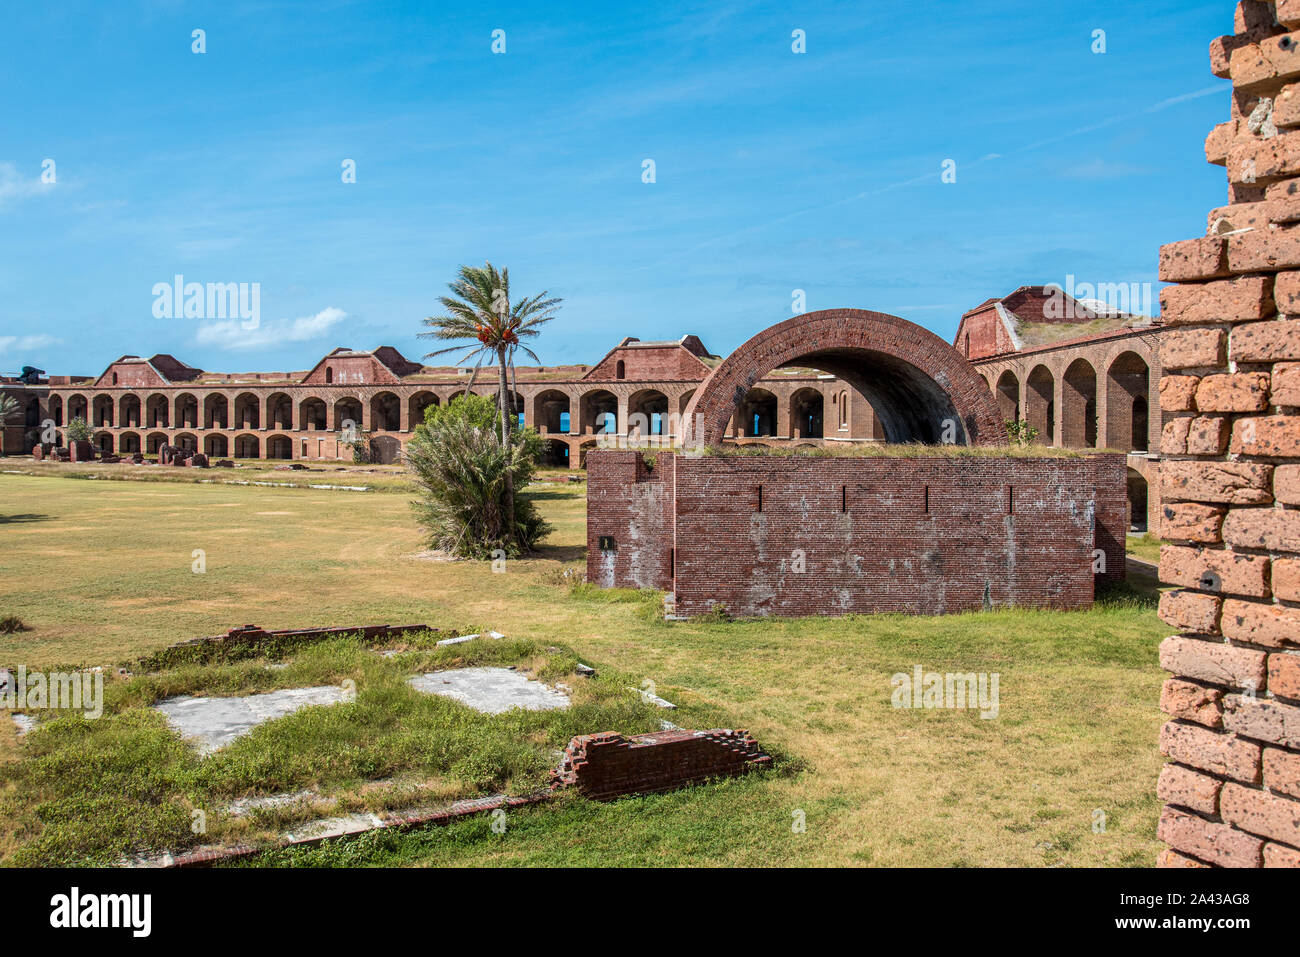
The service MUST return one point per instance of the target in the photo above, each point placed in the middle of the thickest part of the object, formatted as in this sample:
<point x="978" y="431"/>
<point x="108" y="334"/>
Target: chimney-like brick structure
<point x="1231" y="476"/>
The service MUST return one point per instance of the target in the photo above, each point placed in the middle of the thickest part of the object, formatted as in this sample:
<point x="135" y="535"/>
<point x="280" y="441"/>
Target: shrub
<point x="460" y="466"/>
<point x="79" y="430"/>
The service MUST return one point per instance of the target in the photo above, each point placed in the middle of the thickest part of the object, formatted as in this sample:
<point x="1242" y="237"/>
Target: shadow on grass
<point x="22" y="519"/>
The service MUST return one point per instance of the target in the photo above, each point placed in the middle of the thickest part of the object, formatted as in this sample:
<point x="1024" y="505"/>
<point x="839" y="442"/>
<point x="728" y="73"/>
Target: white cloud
<point x="231" y="334"/>
<point x="25" y="343"/>
<point x="14" y="186"/>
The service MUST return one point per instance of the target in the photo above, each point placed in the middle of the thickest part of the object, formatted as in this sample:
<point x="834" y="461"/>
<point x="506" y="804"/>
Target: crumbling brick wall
<point x="801" y="535"/>
<point x="609" y="765"/>
<point x="1231" y="477"/>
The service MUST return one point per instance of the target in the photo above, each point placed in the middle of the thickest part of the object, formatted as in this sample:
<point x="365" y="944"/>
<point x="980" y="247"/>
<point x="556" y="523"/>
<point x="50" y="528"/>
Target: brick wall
<point x="608" y="765"/>
<point x="783" y="535"/>
<point x="1231" y="478"/>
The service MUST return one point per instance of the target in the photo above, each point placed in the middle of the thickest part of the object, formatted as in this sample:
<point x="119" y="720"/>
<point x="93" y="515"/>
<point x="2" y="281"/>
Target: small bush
<point x="12" y="624"/>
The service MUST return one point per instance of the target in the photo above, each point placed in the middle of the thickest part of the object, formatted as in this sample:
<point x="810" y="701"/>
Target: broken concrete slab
<point x="333" y="827"/>
<point x="212" y="723"/>
<point x="248" y="805"/>
<point x="654" y="699"/>
<point x="463" y="638"/>
<point x="25" y="723"/>
<point x="490" y="690"/>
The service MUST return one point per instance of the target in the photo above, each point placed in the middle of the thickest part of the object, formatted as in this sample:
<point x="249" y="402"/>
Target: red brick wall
<point x="1229" y="479"/>
<point x="672" y="363"/>
<point x="608" y="765"/>
<point x="987" y="335"/>
<point x="925" y="535"/>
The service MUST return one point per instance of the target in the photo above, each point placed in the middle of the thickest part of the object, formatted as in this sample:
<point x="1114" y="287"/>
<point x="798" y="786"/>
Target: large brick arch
<point x="912" y="378"/>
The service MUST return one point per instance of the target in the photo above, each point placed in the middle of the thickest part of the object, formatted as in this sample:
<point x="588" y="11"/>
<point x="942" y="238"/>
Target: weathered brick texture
<point x="798" y="535"/>
<point x="1231" y="477"/>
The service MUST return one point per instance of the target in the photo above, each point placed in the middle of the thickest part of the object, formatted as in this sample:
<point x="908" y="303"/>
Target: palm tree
<point x="9" y="407"/>
<point x="481" y="317"/>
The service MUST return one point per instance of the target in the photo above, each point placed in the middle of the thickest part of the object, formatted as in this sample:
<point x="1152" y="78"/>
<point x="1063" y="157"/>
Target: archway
<point x="187" y="441"/>
<point x="103" y="412"/>
<point x="599" y="412"/>
<point x="551" y="411"/>
<point x="187" y="411"/>
<point x="1008" y="395"/>
<point x="756" y="414"/>
<point x="216" y="411"/>
<point x="647" y="412"/>
<point x="417" y="404"/>
<point x="1040" y="404"/>
<point x="128" y="410"/>
<point x="348" y="410"/>
<point x="279" y="411"/>
<point x="279" y="447"/>
<point x="385" y="413"/>
<point x="56" y="410"/>
<point x="154" y="441"/>
<point x="248" y="447"/>
<point x="104" y="443"/>
<point x="311" y="415"/>
<point x="215" y="446"/>
<point x="1128" y="387"/>
<point x="1079" y="406"/>
<point x="920" y="387"/>
<point x="247" y="413"/>
<point x="807" y="408"/>
<point x="1137" y="501"/>
<point x="555" y="453"/>
<point x="129" y="443"/>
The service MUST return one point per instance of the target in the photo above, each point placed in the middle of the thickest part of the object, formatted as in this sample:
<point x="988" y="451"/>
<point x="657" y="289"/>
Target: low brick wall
<point x="250" y="640"/>
<point x="609" y="765"/>
<point x="1231" y="477"/>
<point x="800" y="535"/>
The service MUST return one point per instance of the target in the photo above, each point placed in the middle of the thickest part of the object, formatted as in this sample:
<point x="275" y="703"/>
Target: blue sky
<point x="775" y="171"/>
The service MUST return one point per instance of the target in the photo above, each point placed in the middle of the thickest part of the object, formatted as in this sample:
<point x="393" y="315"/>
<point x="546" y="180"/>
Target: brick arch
<point x="912" y="378"/>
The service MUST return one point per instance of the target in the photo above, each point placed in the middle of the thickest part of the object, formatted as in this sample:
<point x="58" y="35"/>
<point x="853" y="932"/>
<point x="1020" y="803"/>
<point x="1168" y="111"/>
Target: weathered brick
<point x="1208" y="435"/>
<point x="1286" y="287"/>
<point x="1286" y="383"/>
<point x="1227" y="219"/>
<point x="1273" y="435"/>
<point x="1287" y="13"/>
<point x="1229" y="483"/>
<point x="1178" y="392"/>
<point x="1218" y="144"/>
<point x="1209" y="841"/>
<point x="1261" y="813"/>
<point x="1262" y="64"/>
<point x="1193" y="349"/>
<point x="1229" y="300"/>
<point x="1254" y="160"/>
<point x="1284" y="669"/>
<point x="1270" y="341"/>
<point x="1173" y="436"/>
<point x="1281" y="205"/>
<point x="1279" y="855"/>
<point x="1259" y="623"/>
<point x="1286" y="484"/>
<point x="1192" y="702"/>
<point x="1191" y="611"/>
<point x="1233" y="392"/>
<point x="1215" y="570"/>
<point x="1286" y="579"/>
<point x="1271" y="529"/>
<point x="1213" y="661"/>
<point x="1277" y="247"/>
<point x="1282" y="771"/>
<point x="1192" y="522"/>
<point x="1185" y="788"/>
<point x="1193" y="259"/>
<point x="1273" y="721"/>
<point x="1286" y="111"/>
<point x="1169" y="858"/>
<point x="1213" y="751"/>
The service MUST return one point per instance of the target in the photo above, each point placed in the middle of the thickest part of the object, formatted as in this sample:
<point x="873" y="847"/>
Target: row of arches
<point x="215" y="446"/>
<point x="1077" y="423"/>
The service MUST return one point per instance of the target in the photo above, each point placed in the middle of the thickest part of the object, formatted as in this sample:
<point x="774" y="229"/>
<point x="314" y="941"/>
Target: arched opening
<point x="620" y="371"/>
<point x="920" y="387"/>
<point x="128" y="443"/>
<point x="756" y="414"/>
<point x="599" y="412"/>
<point x="247" y="412"/>
<point x="247" y="447"/>
<point x="187" y="412"/>
<point x="385" y="449"/>
<point x="385" y="413"/>
<point x="1137" y="502"/>
<point x="187" y="441"/>
<point x="279" y="411"/>
<point x="279" y="447"/>
<point x="647" y="413"/>
<point x="551" y="412"/>
<point x="56" y="410"/>
<point x="329" y="375"/>
<point x="102" y="411"/>
<point x="128" y="412"/>
<point x="1079" y="406"/>
<point x="1128" y="389"/>
<point x="216" y="446"/>
<point x="1040" y="404"/>
<point x="311" y="415"/>
<point x="418" y="404"/>
<point x="153" y="442"/>
<point x="104" y="443"/>
<point x="806" y="414"/>
<point x="347" y="415"/>
<point x="216" y="411"/>
<point x="555" y="453"/>
<point x="1008" y="396"/>
<point x="157" y="412"/>
<point x="78" y="408"/>
<point x="583" y="450"/>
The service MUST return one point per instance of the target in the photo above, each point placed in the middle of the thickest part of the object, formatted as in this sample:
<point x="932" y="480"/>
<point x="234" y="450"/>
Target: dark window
<point x="607" y="543"/>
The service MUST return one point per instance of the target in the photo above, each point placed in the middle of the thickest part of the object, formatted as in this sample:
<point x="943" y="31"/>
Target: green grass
<point x="101" y="573"/>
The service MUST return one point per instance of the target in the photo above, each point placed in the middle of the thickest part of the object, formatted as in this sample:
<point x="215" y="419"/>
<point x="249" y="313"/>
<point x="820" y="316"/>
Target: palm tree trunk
<point x="511" y="532"/>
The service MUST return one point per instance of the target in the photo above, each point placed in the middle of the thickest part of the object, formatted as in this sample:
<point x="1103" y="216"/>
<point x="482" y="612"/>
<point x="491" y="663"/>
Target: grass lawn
<point x="101" y="573"/>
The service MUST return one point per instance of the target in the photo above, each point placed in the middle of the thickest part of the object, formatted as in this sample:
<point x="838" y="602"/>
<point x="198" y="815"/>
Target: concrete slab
<point x="490" y="690"/>
<point x="212" y="723"/>
<point x="245" y="806"/>
<point x="25" y="723"/>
